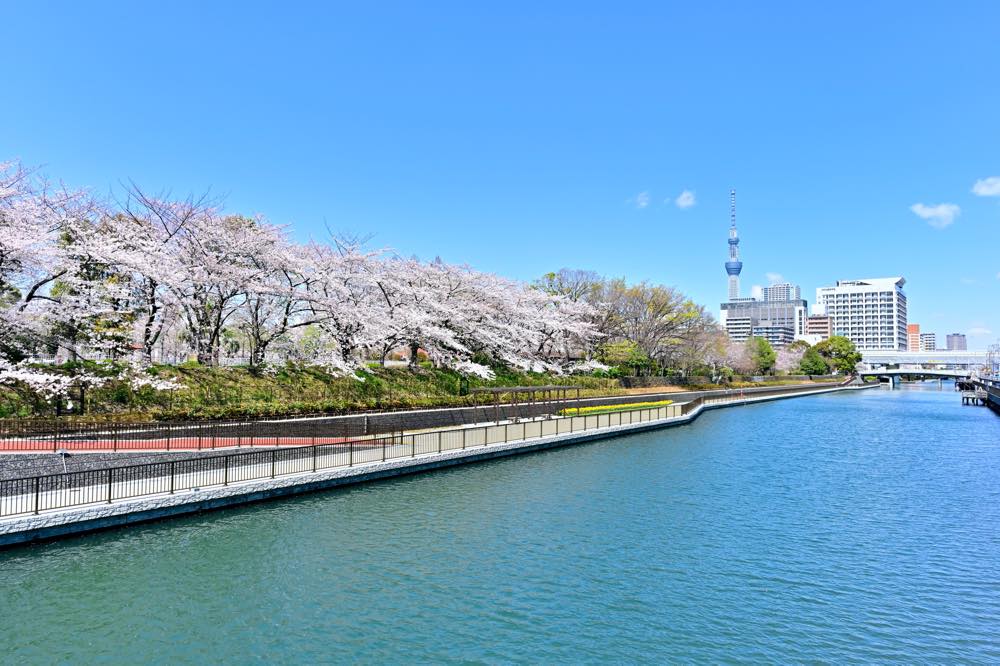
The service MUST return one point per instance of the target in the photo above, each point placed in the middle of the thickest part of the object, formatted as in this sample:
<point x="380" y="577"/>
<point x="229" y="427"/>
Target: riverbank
<point x="194" y="492"/>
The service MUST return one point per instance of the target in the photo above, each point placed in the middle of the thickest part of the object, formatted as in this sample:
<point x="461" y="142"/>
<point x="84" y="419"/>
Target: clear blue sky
<point x="521" y="139"/>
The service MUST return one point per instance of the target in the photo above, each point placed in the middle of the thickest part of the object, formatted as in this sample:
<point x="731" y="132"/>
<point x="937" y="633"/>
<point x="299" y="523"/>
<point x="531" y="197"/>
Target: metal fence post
<point x="225" y="472"/>
<point x="314" y="457"/>
<point x="350" y="459"/>
<point x="37" y="481"/>
<point x="171" y="477"/>
<point x="274" y="460"/>
<point x="383" y="449"/>
<point x="439" y="441"/>
<point x="463" y="438"/>
<point x="110" y="473"/>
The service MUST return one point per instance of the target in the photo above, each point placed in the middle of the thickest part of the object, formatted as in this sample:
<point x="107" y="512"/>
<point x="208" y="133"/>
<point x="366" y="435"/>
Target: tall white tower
<point x="734" y="265"/>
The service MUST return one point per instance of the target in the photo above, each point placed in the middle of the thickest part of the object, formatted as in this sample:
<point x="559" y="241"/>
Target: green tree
<point x="840" y="353"/>
<point x="624" y="354"/>
<point x="761" y="355"/>
<point x="798" y="345"/>
<point x="812" y="363"/>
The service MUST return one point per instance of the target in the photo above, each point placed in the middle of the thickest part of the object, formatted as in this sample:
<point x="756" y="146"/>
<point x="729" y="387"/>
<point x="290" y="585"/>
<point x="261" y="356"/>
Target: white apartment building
<point x="782" y="291"/>
<point x="928" y="342"/>
<point x="871" y="312"/>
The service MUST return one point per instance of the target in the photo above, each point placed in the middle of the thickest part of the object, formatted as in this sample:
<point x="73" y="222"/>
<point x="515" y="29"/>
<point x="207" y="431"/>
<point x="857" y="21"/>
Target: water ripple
<point x="839" y="528"/>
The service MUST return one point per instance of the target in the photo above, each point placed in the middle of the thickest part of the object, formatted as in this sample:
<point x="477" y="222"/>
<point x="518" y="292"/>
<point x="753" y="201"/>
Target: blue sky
<point x="525" y="138"/>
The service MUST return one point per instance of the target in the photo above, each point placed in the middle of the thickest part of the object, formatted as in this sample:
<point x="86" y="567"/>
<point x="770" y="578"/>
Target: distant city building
<point x="956" y="341"/>
<point x="741" y="317"/>
<point x="781" y="292"/>
<point x="821" y="325"/>
<point x="818" y="329"/>
<point x="870" y="312"/>
<point x="777" y="334"/>
<point x="913" y="337"/>
<point x="928" y="342"/>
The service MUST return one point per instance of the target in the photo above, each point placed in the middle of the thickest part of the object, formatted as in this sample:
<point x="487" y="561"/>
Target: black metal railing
<point x="77" y="435"/>
<point x="35" y="494"/>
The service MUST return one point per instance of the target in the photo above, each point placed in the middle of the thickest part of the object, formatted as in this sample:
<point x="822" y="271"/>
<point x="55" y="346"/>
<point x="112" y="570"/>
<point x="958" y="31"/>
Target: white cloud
<point x="774" y="278"/>
<point x="987" y="187"/>
<point x="642" y="200"/>
<point x="967" y="280"/>
<point x="938" y="216"/>
<point x="685" y="199"/>
<point x="979" y="330"/>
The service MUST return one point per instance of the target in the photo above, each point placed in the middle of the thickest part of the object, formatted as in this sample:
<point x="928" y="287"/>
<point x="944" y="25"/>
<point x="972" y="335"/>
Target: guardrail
<point x="53" y="435"/>
<point x="75" y="435"/>
<point x="35" y="494"/>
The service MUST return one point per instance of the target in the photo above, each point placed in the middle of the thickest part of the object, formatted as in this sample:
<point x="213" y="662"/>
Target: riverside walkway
<point x="78" y="437"/>
<point x="43" y="507"/>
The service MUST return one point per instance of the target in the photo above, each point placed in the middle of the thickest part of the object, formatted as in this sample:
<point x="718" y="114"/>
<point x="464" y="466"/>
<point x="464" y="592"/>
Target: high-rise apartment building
<point x="870" y="312"/>
<point x="956" y="341"/>
<point x="913" y="337"/>
<point x="781" y="292"/>
<point x="928" y="342"/>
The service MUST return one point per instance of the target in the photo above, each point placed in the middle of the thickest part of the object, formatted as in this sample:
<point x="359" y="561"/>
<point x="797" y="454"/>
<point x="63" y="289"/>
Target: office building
<point x="869" y="312"/>
<point x="739" y="318"/>
<point x="956" y="341"/>
<point x="777" y="334"/>
<point x="928" y="342"/>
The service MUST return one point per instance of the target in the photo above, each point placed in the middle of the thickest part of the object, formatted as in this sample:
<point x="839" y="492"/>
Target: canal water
<point x="853" y="526"/>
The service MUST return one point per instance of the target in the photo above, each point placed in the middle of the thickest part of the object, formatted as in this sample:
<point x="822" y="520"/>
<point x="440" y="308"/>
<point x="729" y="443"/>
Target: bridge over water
<point x="925" y="360"/>
<point x="939" y="364"/>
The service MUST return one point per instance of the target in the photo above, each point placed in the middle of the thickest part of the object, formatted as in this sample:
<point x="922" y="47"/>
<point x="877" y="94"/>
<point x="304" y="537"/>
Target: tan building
<point x="913" y="337"/>
<point x="820" y="325"/>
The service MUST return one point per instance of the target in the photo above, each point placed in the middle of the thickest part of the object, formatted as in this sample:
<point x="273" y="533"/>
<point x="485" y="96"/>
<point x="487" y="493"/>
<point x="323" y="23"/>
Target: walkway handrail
<point x="40" y="435"/>
<point x="55" y="491"/>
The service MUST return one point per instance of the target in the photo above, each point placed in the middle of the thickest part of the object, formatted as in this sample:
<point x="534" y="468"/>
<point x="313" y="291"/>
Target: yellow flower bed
<point x="606" y="409"/>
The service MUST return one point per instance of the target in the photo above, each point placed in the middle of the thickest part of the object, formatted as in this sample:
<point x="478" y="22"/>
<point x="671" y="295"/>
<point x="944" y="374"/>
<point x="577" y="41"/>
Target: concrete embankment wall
<point x="993" y="395"/>
<point x="63" y="522"/>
